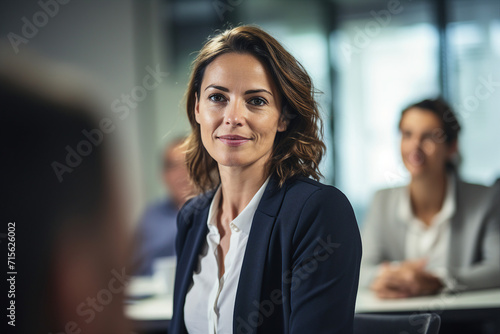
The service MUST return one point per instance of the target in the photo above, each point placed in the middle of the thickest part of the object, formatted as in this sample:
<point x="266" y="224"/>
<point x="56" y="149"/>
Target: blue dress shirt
<point x="155" y="235"/>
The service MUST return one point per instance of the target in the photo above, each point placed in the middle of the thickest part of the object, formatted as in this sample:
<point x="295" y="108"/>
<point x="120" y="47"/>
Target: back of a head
<point x="50" y="213"/>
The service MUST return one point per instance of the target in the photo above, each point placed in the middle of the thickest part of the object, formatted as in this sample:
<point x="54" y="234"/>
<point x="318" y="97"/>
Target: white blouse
<point x="430" y="242"/>
<point x="209" y="304"/>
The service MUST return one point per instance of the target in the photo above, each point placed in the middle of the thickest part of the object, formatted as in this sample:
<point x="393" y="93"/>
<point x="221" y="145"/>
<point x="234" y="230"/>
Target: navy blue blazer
<point x="301" y="266"/>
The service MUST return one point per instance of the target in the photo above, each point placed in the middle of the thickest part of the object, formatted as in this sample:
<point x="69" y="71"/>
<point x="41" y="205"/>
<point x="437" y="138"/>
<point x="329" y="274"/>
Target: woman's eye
<point x="428" y="137"/>
<point x="258" y="101"/>
<point x="217" y="98"/>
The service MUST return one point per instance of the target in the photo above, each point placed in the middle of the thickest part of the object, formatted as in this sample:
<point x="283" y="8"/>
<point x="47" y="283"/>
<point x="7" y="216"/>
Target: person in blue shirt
<point x="157" y="229"/>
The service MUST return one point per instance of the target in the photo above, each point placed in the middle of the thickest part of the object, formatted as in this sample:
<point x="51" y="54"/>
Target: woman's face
<point x="423" y="144"/>
<point x="238" y="111"/>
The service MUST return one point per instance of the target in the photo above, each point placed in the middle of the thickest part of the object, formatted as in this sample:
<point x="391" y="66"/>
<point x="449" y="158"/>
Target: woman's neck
<point x="427" y="194"/>
<point x="238" y="186"/>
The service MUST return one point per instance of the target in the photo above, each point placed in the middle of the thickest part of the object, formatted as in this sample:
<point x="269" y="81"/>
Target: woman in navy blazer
<point x="254" y="145"/>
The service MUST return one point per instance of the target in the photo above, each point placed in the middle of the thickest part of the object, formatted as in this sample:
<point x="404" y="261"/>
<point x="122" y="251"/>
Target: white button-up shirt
<point x="209" y="304"/>
<point x="430" y="242"/>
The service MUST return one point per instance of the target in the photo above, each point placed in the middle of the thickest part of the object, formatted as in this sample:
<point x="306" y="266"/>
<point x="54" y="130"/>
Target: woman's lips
<point x="416" y="158"/>
<point x="233" y="140"/>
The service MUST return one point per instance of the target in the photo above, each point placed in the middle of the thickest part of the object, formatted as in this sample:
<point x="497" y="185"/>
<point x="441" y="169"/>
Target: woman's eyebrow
<point x="252" y="91"/>
<point x="224" y="89"/>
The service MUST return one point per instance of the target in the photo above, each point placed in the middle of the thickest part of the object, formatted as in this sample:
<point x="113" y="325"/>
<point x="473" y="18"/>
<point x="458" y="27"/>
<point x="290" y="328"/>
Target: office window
<point x="384" y="63"/>
<point x="474" y="79"/>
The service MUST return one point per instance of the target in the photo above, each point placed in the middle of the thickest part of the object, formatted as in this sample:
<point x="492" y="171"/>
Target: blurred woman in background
<point x="437" y="232"/>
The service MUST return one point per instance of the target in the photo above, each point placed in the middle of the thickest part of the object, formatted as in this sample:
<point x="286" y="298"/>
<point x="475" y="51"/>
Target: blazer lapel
<point x="196" y="239"/>
<point x="186" y="265"/>
<point x="457" y="243"/>
<point x="252" y="270"/>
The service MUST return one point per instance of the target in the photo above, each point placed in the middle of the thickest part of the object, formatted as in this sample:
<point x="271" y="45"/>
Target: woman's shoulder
<point x="317" y="209"/>
<point x="308" y="190"/>
<point x="472" y="188"/>
<point x="474" y="196"/>
<point x="389" y="194"/>
<point x="195" y="205"/>
<point x="305" y="184"/>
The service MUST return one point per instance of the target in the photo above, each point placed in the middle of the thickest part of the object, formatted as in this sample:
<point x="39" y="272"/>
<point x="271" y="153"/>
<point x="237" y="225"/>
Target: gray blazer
<point x="474" y="255"/>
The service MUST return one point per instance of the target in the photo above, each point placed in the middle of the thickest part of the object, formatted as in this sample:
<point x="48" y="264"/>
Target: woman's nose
<point x="416" y="142"/>
<point x="234" y="115"/>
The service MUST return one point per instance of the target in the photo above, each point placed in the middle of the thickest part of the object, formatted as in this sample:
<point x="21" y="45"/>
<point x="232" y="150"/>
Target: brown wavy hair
<point x="298" y="150"/>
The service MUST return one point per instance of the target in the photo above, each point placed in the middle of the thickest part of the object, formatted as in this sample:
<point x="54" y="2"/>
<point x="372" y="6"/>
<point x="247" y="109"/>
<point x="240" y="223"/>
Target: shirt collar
<point x="212" y="213"/>
<point x="243" y="221"/>
<point x="405" y="213"/>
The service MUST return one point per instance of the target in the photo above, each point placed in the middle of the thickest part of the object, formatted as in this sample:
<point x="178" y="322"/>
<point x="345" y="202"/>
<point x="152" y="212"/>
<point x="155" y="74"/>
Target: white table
<point x="152" y="308"/>
<point x="367" y="302"/>
<point x="472" y="308"/>
<point x="156" y="311"/>
<point x="148" y="306"/>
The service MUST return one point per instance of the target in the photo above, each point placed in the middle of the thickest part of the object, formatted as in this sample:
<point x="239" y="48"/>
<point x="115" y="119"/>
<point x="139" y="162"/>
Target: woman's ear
<point x="452" y="148"/>
<point x="196" y="108"/>
<point x="285" y="118"/>
<point x="283" y="123"/>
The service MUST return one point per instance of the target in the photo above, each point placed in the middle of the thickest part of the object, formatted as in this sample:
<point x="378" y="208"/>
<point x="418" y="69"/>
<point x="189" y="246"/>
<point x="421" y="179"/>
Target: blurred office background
<point x="369" y="59"/>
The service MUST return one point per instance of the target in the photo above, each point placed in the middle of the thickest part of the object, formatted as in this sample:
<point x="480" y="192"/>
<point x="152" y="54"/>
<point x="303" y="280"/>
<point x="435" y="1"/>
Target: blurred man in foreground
<point x="62" y="207"/>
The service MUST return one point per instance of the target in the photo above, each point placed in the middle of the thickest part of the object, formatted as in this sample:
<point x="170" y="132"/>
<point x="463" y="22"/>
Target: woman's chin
<point x="231" y="162"/>
<point x="416" y="171"/>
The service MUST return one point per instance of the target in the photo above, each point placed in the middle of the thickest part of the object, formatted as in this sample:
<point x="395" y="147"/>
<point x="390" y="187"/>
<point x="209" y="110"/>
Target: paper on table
<point x="155" y="308"/>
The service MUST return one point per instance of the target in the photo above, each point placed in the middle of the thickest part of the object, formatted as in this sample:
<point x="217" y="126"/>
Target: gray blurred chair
<point x="425" y="323"/>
